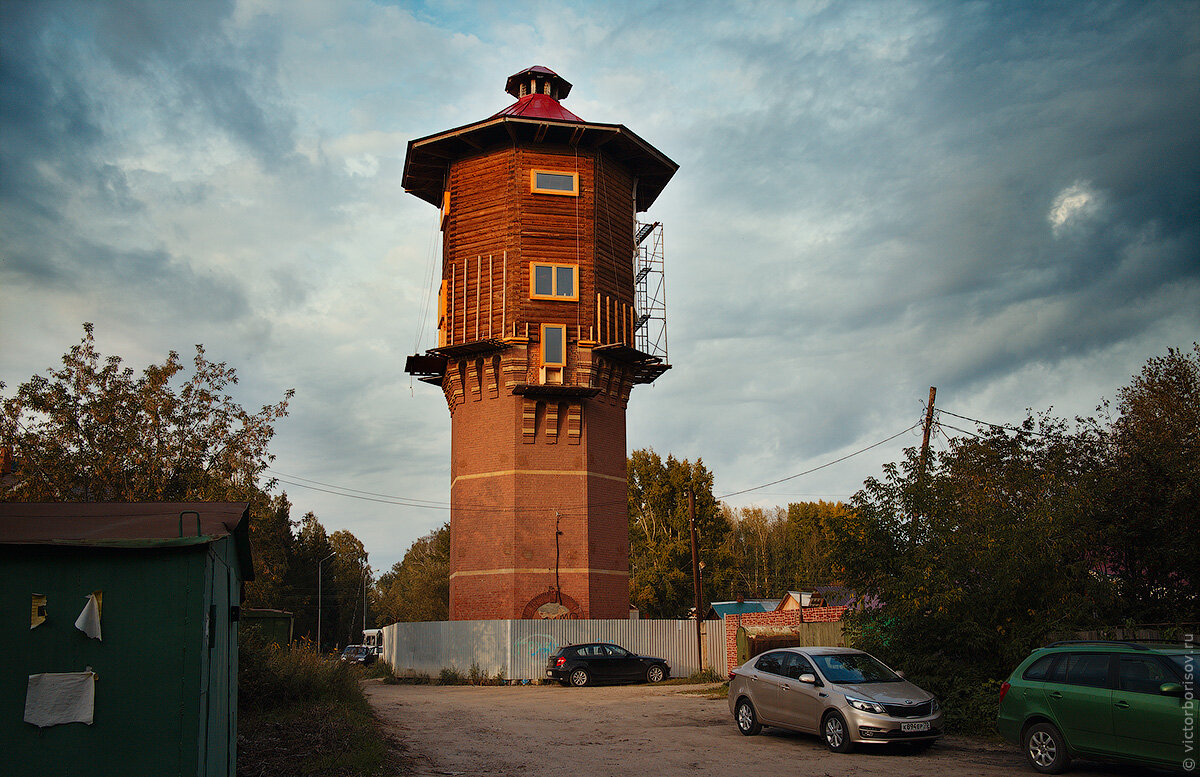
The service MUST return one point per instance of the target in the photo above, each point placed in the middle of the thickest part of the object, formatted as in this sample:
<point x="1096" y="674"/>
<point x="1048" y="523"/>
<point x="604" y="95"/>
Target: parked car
<point x="1107" y="700"/>
<point x="360" y="654"/>
<point x="600" y="662"/>
<point x="845" y="696"/>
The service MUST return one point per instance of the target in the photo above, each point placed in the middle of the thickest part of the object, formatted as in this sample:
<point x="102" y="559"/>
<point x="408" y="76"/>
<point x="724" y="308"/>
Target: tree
<point x="350" y="576"/>
<point x="417" y="588"/>
<point x="1001" y="552"/>
<point x="273" y="549"/>
<point x="660" y="555"/>
<point x="95" y="431"/>
<point x="774" y="550"/>
<point x="1152" y="514"/>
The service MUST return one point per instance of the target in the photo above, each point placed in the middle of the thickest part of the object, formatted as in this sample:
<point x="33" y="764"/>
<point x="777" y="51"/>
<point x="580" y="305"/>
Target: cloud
<point x="998" y="200"/>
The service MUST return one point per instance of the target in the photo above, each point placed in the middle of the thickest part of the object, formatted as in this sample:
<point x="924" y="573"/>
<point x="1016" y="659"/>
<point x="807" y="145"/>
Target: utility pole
<point x="320" y="600"/>
<point x="928" y="427"/>
<point x="696" y="576"/>
<point x="924" y="457"/>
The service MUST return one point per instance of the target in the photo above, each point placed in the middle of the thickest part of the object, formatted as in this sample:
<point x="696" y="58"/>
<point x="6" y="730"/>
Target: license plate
<point x="911" y="727"/>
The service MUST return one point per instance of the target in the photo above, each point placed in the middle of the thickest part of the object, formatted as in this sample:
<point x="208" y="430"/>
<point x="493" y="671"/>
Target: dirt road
<point x="641" y="731"/>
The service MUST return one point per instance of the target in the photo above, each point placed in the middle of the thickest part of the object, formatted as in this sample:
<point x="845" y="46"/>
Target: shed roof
<point x="749" y="605"/>
<point x="128" y="525"/>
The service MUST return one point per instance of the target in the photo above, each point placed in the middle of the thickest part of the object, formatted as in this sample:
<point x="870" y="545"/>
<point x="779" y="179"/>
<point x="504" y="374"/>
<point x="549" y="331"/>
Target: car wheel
<point x="580" y="678"/>
<point x="747" y="721"/>
<point x="656" y="674"/>
<point x="835" y="733"/>
<point x="1046" y="750"/>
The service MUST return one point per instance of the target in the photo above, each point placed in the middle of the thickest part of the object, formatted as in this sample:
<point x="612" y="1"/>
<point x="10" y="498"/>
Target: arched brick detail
<point x="574" y="611"/>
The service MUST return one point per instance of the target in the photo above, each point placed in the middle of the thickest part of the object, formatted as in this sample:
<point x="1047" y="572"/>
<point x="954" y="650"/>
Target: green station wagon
<point x="1105" y="700"/>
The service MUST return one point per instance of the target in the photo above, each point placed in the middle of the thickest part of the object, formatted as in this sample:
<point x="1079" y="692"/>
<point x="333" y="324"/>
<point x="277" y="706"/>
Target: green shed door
<point x="218" y="699"/>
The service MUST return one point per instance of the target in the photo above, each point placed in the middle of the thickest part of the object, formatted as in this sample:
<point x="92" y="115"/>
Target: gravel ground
<point x="644" y="731"/>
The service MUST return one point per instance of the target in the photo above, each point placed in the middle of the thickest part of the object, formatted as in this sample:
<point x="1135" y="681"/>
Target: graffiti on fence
<point x="538" y="645"/>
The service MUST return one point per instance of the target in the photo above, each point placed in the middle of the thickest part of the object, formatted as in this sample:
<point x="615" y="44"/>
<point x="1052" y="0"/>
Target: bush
<point x="272" y="676"/>
<point x="303" y="713"/>
<point x="968" y="704"/>
<point x="450" y="676"/>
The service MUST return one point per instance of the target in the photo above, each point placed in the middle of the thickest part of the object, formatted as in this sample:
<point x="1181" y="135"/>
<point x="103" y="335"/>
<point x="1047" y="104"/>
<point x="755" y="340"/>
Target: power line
<point x="402" y="501"/>
<point x="992" y="425"/>
<point x="432" y="502"/>
<point x="823" y="466"/>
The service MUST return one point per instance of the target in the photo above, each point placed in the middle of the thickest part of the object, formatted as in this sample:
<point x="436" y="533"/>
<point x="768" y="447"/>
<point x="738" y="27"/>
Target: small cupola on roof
<point x="538" y="91"/>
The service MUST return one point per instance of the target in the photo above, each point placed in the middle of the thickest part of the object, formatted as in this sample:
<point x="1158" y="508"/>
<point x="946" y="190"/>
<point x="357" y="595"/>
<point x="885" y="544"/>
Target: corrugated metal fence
<point x="520" y="648"/>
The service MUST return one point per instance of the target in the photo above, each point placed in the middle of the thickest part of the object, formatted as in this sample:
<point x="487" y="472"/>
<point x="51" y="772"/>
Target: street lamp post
<point x="319" y="599"/>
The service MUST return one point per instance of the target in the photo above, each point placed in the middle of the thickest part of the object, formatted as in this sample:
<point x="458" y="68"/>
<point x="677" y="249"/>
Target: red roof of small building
<point x="56" y="522"/>
<point x="538" y="106"/>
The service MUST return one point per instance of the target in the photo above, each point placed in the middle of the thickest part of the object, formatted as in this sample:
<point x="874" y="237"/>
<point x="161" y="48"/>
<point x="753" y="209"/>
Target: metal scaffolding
<point x="650" y="293"/>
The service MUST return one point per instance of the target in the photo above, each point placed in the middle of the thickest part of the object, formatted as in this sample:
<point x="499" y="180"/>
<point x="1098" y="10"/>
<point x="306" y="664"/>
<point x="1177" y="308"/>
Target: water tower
<point x="550" y="311"/>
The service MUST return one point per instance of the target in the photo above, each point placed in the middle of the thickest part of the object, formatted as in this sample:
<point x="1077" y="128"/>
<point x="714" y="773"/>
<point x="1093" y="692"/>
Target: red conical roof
<point x="538" y="106"/>
<point x="538" y="91"/>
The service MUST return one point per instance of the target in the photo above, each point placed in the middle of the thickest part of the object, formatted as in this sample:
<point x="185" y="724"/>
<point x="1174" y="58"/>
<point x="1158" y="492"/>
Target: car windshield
<point x="850" y="668"/>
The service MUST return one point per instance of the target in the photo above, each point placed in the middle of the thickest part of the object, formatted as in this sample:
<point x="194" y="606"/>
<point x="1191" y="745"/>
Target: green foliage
<point x="450" y="675"/>
<point x="1152" y="504"/>
<point x="271" y="676"/>
<point x="777" y="550"/>
<point x="95" y="430"/>
<point x="301" y="713"/>
<point x="978" y="553"/>
<point x="417" y="588"/>
<point x="968" y="703"/>
<point x="660" y="553"/>
<point x="976" y="560"/>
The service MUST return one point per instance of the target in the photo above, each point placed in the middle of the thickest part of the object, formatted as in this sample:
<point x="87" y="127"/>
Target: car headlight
<point x="935" y="706"/>
<point x="866" y="706"/>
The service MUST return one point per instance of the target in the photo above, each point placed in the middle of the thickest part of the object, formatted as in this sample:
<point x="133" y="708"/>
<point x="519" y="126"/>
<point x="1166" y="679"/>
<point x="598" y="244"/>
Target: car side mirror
<point x="1171" y="689"/>
<point x="808" y="678"/>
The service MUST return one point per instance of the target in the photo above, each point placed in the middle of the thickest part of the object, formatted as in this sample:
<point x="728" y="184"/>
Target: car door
<point x="1147" y="723"/>
<point x="800" y="703"/>
<point x="595" y="660"/>
<point x="1079" y="695"/>
<point x="767" y="688"/>
<point x="624" y="665"/>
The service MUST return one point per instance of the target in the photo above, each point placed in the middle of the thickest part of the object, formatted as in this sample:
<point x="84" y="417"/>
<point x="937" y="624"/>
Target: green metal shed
<point x="163" y="694"/>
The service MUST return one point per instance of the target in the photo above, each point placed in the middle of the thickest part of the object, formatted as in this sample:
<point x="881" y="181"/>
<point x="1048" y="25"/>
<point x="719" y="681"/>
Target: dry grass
<point x="303" y="713"/>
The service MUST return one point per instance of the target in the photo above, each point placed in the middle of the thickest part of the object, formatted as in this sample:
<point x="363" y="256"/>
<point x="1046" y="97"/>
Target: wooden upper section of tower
<point x="540" y="248"/>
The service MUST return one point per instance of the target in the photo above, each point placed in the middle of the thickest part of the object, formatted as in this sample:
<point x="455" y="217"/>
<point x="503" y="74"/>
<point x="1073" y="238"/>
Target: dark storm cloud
<point x="181" y="47"/>
<point x="59" y="62"/>
<point x="945" y="144"/>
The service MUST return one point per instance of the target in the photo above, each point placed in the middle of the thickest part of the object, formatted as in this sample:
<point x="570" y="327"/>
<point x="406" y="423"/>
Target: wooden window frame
<point x="533" y="187"/>
<point x="553" y="296"/>
<point x="563" y="328"/>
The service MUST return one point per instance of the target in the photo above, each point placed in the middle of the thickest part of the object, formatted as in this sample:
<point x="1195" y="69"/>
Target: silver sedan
<point x="845" y="696"/>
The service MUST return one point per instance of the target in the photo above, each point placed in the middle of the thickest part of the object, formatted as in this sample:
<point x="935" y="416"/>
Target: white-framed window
<point x="554" y="281"/>
<point x="554" y="182"/>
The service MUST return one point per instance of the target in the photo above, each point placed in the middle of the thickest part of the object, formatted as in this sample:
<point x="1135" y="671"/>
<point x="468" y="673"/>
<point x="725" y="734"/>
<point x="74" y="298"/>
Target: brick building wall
<point x="778" y="618"/>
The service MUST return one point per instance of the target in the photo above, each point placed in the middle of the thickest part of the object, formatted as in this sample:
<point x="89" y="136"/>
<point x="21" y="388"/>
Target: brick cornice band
<point x="510" y="472"/>
<point x="538" y="571"/>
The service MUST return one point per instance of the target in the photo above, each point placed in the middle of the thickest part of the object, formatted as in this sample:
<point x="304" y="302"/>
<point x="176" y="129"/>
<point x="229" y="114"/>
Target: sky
<point x="999" y="199"/>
